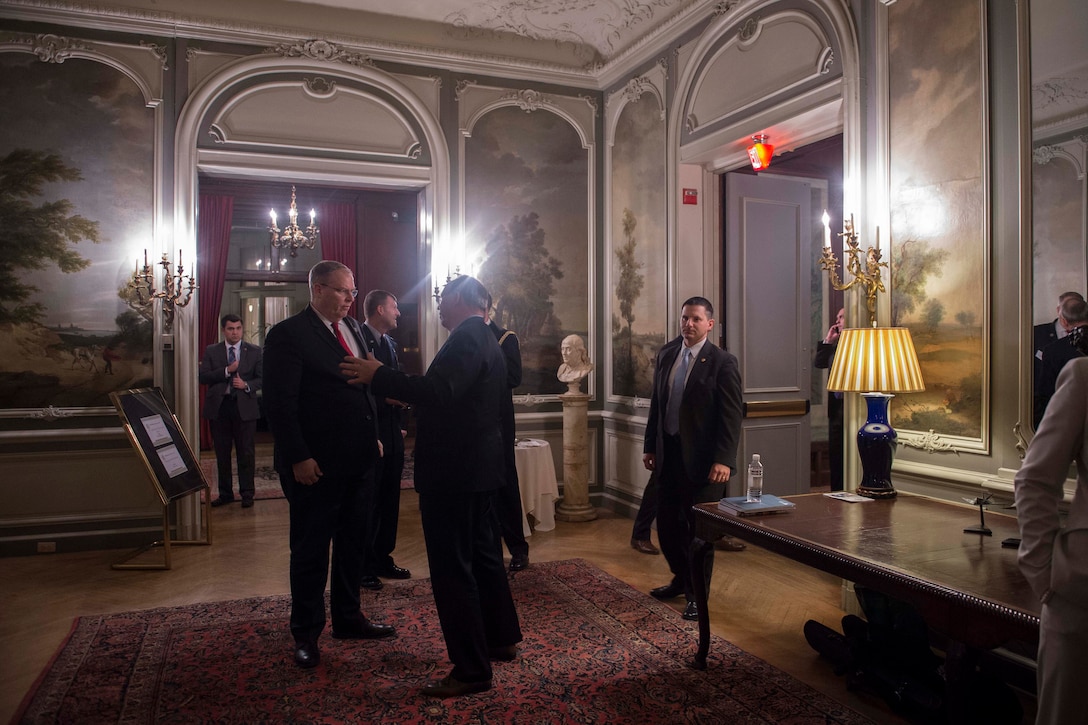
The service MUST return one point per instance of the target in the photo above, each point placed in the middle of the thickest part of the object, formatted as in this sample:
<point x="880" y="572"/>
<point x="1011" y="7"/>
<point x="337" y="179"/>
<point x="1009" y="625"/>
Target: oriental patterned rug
<point x="595" y="651"/>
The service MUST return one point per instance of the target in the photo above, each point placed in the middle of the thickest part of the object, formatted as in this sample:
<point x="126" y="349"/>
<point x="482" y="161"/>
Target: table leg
<point x="701" y="560"/>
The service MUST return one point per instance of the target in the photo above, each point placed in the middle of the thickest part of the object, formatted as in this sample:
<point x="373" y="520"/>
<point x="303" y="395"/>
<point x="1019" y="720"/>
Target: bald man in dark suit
<point x="326" y="449"/>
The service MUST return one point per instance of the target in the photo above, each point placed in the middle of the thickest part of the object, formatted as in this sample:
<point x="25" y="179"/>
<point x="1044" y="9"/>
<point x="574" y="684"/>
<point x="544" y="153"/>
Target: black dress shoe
<point x="247" y="503"/>
<point x="669" y="591"/>
<point x="449" y="687"/>
<point x="644" y="546"/>
<point x="222" y="501"/>
<point x="395" y="572"/>
<point x="371" y="582"/>
<point x="366" y="630"/>
<point x="508" y="653"/>
<point x="519" y="562"/>
<point x="691" y="612"/>
<point x="307" y="655"/>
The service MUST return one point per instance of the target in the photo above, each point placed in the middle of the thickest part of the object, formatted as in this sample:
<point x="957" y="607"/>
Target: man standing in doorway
<point x="327" y="446"/>
<point x="460" y="469"/>
<point x="381" y="311"/>
<point x="232" y="371"/>
<point x="691" y="437"/>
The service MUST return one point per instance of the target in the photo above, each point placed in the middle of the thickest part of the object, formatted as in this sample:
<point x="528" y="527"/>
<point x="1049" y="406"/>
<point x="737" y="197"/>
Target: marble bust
<point x="576" y="364"/>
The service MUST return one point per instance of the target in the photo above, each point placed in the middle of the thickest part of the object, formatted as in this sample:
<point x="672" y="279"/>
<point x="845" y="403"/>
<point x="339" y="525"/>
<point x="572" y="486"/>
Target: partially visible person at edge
<point x="1073" y="317"/>
<point x="825" y="356"/>
<point x="1053" y="557"/>
<point x="508" y="501"/>
<point x="326" y="448"/>
<point x="460" y="469"/>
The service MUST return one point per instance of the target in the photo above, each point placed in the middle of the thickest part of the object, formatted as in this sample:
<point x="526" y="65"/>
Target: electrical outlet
<point x="47" y="547"/>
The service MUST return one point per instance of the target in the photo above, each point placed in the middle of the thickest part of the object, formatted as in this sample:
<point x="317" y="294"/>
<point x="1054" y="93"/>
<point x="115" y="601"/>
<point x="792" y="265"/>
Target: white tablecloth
<point x="536" y="477"/>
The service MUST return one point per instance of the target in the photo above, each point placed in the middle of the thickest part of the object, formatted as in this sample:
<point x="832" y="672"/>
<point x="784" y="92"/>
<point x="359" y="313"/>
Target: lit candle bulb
<point x="827" y="229"/>
<point x="145" y="257"/>
<point x="272" y="212"/>
<point x="313" y="215"/>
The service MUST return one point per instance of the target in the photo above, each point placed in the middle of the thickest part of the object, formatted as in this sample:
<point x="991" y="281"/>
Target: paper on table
<point x="529" y="443"/>
<point x="847" y="496"/>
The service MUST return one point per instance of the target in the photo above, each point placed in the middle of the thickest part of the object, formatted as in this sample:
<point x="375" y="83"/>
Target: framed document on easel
<point x="156" y="434"/>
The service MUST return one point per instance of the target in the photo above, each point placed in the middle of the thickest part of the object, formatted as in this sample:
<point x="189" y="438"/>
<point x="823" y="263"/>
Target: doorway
<point x="778" y="305"/>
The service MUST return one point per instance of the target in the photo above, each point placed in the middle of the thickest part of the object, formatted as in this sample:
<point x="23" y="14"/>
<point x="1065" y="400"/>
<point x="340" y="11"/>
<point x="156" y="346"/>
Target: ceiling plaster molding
<point x="597" y="76"/>
<point x="128" y="20"/>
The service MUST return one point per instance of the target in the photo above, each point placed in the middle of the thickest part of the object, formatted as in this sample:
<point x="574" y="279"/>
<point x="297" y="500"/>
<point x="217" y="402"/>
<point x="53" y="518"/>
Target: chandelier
<point x="292" y="236"/>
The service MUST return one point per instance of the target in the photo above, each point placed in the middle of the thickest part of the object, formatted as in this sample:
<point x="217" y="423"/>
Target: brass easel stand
<point x="166" y="542"/>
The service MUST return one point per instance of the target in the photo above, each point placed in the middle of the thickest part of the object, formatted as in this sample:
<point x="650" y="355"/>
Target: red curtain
<point x="337" y="222"/>
<point x="212" y="245"/>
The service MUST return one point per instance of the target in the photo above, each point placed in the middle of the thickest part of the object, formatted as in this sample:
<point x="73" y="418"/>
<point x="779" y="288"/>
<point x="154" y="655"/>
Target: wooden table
<point x="967" y="587"/>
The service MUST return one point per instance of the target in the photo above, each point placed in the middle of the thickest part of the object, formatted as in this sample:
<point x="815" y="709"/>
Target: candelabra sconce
<point x="292" y="236"/>
<point x="438" y="290"/>
<point x="865" y="275"/>
<point x="177" y="288"/>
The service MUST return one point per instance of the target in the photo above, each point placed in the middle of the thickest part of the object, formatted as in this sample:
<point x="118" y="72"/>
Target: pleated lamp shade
<point x="875" y="359"/>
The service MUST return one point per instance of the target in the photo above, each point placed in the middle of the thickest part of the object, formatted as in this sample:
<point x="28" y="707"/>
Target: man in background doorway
<point x="232" y="371"/>
<point x="825" y="356"/>
<point x="381" y="313"/>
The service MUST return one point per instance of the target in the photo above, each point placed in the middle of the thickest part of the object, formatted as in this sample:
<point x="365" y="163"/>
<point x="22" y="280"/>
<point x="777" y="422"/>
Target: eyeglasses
<point x="342" y="290"/>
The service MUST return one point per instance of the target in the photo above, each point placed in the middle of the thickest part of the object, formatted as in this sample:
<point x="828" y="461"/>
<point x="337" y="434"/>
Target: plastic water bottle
<point x="755" y="480"/>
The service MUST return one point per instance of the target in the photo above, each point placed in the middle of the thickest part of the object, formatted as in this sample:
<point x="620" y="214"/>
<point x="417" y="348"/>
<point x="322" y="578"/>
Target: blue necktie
<point x="676" y="394"/>
<point x="231" y="357"/>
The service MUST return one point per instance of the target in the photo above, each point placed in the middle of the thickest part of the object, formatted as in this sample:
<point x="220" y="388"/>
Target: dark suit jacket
<point x="1055" y="356"/>
<point x="710" y="411"/>
<point x="250" y="369"/>
<point x="459" y="445"/>
<point x="390" y="417"/>
<point x="1042" y="335"/>
<point x="312" y="411"/>
<point x="511" y="353"/>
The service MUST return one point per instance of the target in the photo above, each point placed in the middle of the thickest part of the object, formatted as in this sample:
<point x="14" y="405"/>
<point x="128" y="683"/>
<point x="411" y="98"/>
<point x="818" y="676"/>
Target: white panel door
<point x="768" y="234"/>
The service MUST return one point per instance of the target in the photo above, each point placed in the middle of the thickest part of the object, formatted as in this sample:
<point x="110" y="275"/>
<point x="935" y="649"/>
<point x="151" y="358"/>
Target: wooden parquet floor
<point x="759" y="601"/>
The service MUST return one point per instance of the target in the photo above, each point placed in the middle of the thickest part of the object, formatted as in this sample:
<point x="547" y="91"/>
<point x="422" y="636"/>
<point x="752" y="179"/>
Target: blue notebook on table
<point x="770" y="504"/>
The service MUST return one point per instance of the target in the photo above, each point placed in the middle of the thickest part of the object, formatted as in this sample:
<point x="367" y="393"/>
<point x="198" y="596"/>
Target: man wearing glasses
<point x="326" y="448"/>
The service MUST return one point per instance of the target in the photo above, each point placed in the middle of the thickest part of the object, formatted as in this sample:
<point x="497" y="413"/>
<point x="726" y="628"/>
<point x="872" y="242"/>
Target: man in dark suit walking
<point x="381" y="311"/>
<point x="691" y="436"/>
<point x="231" y="370"/>
<point x="459" y="470"/>
<point x="508" y="502"/>
<point x="326" y="449"/>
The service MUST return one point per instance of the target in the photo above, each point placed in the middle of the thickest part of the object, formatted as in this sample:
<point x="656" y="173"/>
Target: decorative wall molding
<point x="321" y="50"/>
<point x="929" y="442"/>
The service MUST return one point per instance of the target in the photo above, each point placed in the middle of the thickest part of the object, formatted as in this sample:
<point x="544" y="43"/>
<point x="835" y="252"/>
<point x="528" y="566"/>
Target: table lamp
<point x="876" y="361"/>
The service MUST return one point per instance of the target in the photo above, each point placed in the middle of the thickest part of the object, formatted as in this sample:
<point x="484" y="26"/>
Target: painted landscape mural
<point x="76" y="195"/>
<point x="938" y="260"/>
<point x="526" y="207"/>
<point x="638" y="247"/>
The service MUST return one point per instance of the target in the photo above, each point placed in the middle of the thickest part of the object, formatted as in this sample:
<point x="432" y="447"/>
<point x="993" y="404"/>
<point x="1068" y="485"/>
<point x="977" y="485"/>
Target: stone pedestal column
<point x="575" y="505"/>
